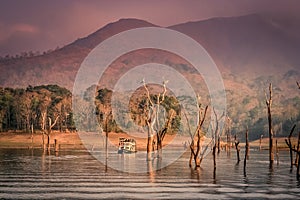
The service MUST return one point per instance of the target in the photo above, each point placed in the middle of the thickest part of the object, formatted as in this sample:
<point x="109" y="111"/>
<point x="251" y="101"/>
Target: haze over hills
<point x="249" y="45"/>
<point x="250" y="51"/>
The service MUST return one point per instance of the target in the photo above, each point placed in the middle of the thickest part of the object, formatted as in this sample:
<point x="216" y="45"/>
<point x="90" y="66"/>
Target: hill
<point x="250" y="51"/>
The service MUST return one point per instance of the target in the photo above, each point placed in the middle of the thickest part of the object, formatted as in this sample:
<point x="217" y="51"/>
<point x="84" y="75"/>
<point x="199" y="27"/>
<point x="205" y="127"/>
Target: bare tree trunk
<point x="216" y="137"/>
<point x="214" y="160"/>
<point x="277" y="152"/>
<point x="44" y="144"/>
<point x="246" y="152"/>
<point x="162" y="132"/>
<point x="48" y="141"/>
<point x="236" y="142"/>
<point x="247" y="145"/>
<point x="149" y="143"/>
<point x="192" y="153"/>
<point x="260" y="140"/>
<point x="32" y="136"/>
<point x="219" y="144"/>
<point x="43" y="127"/>
<point x="269" y="104"/>
<point x="106" y="144"/>
<point x="56" y="145"/>
<point x="196" y="150"/>
<point x="49" y="130"/>
<point x="298" y="149"/>
<point x="298" y="156"/>
<point x="289" y="143"/>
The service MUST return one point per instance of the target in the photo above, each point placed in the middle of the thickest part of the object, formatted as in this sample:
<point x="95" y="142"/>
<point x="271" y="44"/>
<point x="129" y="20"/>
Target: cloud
<point x="7" y="31"/>
<point x="26" y="28"/>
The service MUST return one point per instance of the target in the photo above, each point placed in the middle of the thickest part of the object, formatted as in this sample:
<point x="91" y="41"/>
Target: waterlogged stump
<point x="56" y="145"/>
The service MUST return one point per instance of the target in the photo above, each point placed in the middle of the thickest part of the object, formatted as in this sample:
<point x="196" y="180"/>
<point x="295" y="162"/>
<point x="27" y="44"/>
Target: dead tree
<point x="216" y="138"/>
<point x="46" y="130"/>
<point x="277" y="152"/>
<point x="49" y="130"/>
<point x="260" y="141"/>
<point x="246" y="152"/>
<point x="153" y="114"/>
<point x="236" y="143"/>
<point x="195" y="145"/>
<point x="219" y="144"/>
<point x="298" y="155"/>
<point x="108" y="118"/>
<point x="32" y="131"/>
<point x="269" y="104"/>
<point x="289" y="143"/>
<point x="162" y="132"/>
<point x="149" y="115"/>
<point x="228" y="136"/>
<point x="297" y="150"/>
<point x="43" y="127"/>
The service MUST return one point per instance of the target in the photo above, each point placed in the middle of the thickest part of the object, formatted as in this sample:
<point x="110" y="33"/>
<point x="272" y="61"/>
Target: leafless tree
<point x="289" y="143"/>
<point x="246" y="151"/>
<point x="195" y="145"/>
<point x="294" y="149"/>
<point x="236" y="142"/>
<point x="269" y="105"/>
<point x="153" y="115"/>
<point x="216" y="137"/>
<point x="47" y="129"/>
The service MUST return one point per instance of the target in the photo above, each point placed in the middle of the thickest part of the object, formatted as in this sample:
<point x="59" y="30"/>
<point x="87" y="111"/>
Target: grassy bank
<point x="72" y="140"/>
<point x="24" y="140"/>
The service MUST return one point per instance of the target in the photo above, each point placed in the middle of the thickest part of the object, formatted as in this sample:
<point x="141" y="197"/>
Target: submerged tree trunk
<point x="289" y="143"/>
<point x="269" y="104"/>
<point x="246" y="152"/>
<point x="32" y="136"/>
<point x="216" y="137"/>
<point x="247" y="145"/>
<point x="149" y="144"/>
<point x="296" y="150"/>
<point x="43" y="138"/>
<point x="277" y="152"/>
<point x="236" y="142"/>
<point x="219" y="144"/>
<point x="48" y="141"/>
<point x="260" y="141"/>
<point x="214" y="160"/>
<point x="298" y="155"/>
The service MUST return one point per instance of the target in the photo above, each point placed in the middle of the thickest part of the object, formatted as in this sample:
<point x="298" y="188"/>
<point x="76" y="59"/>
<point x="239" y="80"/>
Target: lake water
<point x="75" y="174"/>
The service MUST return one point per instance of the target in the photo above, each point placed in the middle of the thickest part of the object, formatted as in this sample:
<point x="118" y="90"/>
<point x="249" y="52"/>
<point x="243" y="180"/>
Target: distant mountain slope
<point x="248" y="46"/>
<point x="60" y="66"/>
<point x="250" y="51"/>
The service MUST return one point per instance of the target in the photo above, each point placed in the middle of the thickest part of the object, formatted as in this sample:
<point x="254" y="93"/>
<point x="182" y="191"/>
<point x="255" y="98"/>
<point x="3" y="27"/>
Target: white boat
<point x="127" y="145"/>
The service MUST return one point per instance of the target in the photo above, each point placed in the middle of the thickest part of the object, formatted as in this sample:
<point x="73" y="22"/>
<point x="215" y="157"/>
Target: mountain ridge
<point x="250" y="51"/>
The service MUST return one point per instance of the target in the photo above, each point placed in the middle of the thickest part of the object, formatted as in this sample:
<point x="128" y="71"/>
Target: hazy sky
<point x="35" y="25"/>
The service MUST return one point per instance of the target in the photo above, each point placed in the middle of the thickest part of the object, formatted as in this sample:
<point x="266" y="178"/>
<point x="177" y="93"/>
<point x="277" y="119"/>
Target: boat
<point x="127" y="145"/>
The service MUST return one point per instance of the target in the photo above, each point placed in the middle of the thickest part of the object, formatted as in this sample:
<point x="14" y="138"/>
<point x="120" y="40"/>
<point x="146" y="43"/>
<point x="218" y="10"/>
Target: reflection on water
<point x="33" y="174"/>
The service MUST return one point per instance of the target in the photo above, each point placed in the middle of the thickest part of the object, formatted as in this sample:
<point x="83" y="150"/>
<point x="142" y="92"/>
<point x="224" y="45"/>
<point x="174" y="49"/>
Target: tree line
<point x="23" y="109"/>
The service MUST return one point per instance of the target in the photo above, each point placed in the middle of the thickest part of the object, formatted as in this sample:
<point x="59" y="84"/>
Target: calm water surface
<point x="75" y="174"/>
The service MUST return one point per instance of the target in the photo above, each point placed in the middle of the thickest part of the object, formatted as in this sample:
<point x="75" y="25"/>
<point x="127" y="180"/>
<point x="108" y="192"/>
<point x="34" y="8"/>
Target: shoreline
<point x="71" y="140"/>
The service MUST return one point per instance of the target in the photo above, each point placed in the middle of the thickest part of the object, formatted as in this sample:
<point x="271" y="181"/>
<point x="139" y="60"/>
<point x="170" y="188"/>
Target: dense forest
<point x="22" y="109"/>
